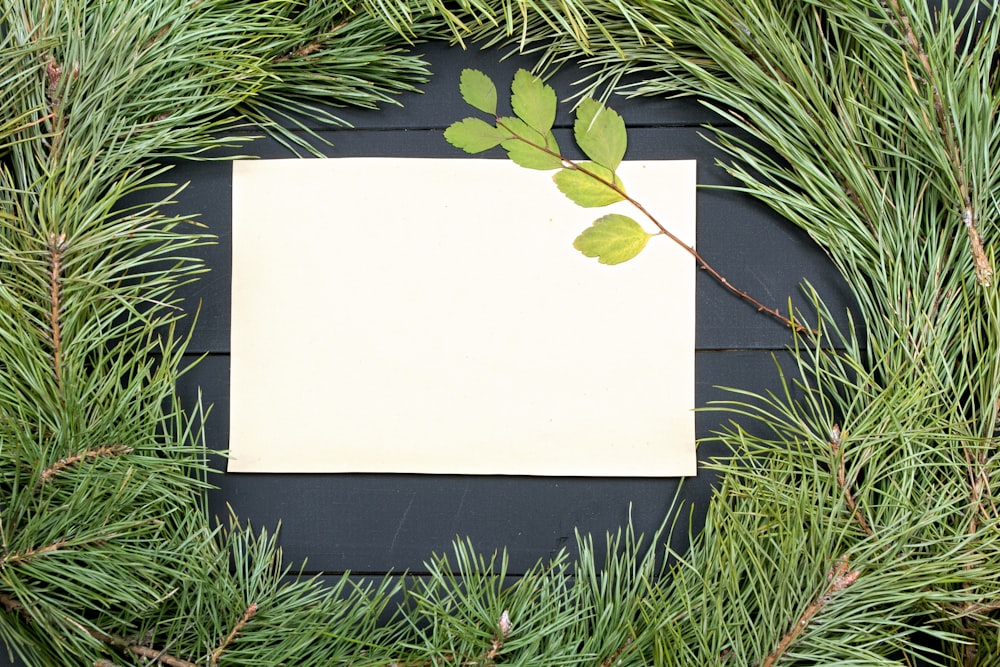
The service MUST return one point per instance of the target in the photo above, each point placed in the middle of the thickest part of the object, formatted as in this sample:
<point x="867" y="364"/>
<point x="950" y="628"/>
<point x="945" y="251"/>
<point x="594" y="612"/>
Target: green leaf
<point x="612" y="239"/>
<point x="473" y="135"/>
<point x="525" y="150"/>
<point x="586" y="190"/>
<point x="533" y="101"/>
<point x="478" y="91"/>
<point x="600" y="133"/>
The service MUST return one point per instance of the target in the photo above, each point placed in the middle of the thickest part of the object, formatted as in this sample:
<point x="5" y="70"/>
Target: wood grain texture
<point x="749" y="244"/>
<point x="372" y="524"/>
<point x="376" y="523"/>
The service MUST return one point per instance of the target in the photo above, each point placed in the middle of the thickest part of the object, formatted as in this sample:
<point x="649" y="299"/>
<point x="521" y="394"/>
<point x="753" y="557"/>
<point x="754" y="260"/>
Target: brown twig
<point x="248" y="613"/>
<point x="25" y="556"/>
<point x="63" y="463"/>
<point x="611" y="659"/>
<point x="504" y="627"/>
<point x="983" y="267"/>
<point x="54" y="78"/>
<point x="10" y="604"/>
<point x="976" y="465"/>
<point x="57" y="246"/>
<point x="977" y="608"/>
<point x="311" y="47"/>
<point x="150" y="654"/>
<point x="147" y="652"/>
<point x="496" y="646"/>
<point x="702" y="264"/>
<point x="845" y="486"/>
<point x="839" y="577"/>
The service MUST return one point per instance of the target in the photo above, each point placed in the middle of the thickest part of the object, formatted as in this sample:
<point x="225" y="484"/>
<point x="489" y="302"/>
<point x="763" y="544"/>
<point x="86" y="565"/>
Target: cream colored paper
<point x="432" y="316"/>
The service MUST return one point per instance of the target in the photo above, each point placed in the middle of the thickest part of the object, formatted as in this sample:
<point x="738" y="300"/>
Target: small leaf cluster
<point x="529" y="142"/>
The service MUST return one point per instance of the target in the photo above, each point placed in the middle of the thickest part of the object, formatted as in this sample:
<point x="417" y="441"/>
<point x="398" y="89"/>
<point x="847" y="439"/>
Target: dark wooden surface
<point x="373" y="524"/>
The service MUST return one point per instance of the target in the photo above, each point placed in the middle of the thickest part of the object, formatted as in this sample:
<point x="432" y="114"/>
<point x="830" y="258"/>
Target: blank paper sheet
<point x="432" y="316"/>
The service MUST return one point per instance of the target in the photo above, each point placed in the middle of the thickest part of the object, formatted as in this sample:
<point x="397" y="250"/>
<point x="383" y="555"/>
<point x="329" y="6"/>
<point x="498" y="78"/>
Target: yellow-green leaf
<point x="473" y="135"/>
<point x="600" y="133"/>
<point x="527" y="147"/>
<point x="586" y="190"/>
<point x="533" y="101"/>
<point x="478" y="91"/>
<point x="612" y="239"/>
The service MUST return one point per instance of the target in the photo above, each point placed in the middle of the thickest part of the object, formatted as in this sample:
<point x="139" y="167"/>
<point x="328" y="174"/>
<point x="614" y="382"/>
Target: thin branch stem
<point x="54" y="77"/>
<point x="150" y="654"/>
<point x="57" y="246"/>
<point x="314" y="46"/>
<point x="64" y="463"/>
<point x="702" y="264"/>
<point x="983" y="267"/>
<point x="23" y="556"/>
<point x="248" y="613"/>
<point x="147" y="652"/>
<point x="613" y="658"/>
<point x="845" y="485"/>
<point x="839" y="577"/>
<point x="975" y="462"/>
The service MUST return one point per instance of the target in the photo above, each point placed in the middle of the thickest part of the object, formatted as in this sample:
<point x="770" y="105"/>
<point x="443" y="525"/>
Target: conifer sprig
<point x="866" y="516"/>
<point x="871" y="126"/>
<point x="106" y="549"/>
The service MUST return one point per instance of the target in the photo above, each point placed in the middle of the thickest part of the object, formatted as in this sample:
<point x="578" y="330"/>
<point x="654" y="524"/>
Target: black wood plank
<point x="373" y="523"/>
<point x="377" y="523"/>
<point x="438" y="101"/>
<point x="753" y="247"/>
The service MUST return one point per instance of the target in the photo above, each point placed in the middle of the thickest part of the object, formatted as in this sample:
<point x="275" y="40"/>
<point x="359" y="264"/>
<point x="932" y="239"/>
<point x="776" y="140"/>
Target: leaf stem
<point x="702" y="263"/>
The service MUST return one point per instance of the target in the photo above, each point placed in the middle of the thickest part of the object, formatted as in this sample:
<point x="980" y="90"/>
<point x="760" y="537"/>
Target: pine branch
<point x="844" y="484"/>
<point x="26" y="556"/>
<point x="924" y="434"/>
<point x="496" y="644"/>
<point x="69" y="461"/>
<point x="159" y="657"/>
<point x="613" y="658"/>
<point x="146" y="652"/>
<point x="313" y="46"/>
<point x="248" y="613"/>
<point x="946" y="129"/>
<point x="57" y="246"/>
<point x="978" y="485"/>
<point x="53" y="93"/>
<point x="838" y="578"/>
